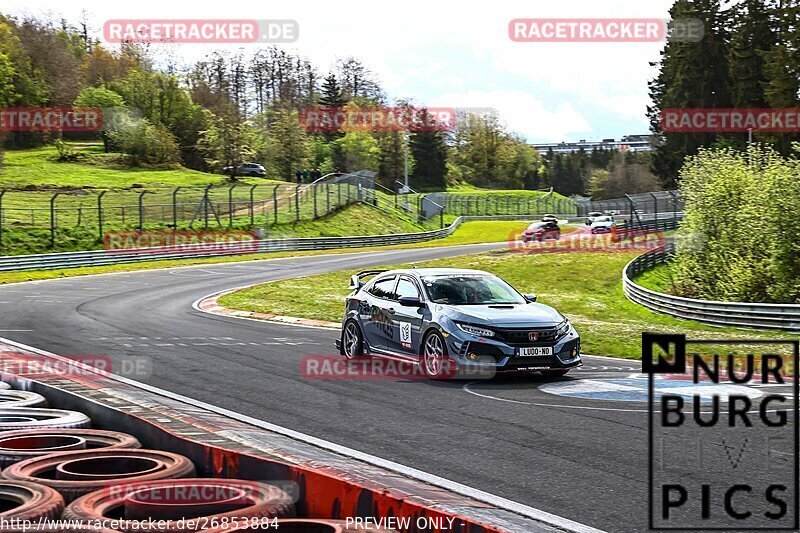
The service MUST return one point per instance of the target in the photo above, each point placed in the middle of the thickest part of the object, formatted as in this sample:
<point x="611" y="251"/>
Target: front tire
<point x="352" y="341"/>
<point x="434" y="359"/>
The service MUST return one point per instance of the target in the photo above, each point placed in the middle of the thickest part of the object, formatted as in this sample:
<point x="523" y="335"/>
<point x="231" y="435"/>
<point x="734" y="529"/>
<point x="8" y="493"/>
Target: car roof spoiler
<point x="355" y="279"/>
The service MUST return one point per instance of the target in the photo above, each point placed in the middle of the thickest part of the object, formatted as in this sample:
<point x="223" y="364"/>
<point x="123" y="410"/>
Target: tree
<point x="58" y="54"/>
<point x="430" y="153"/>
<point x="357" y="80"/>
<point x="109" y="102"/>
<point x="691" y="75"/>
<point x="752" y="37"/>
<point x="782" y="69"/>
<point x="392" y="146"/>
<point x="143" y="141"/>
<point x="628" y="174"/>
<point x="288" y="147"/>
<point x="162" y="100"/>
<point x="224" y="142"/>
<point x="360" y="151"/>
<point x="331" y="95"/>
<point x="332" y="98"/>
<point x="488" y="156"/>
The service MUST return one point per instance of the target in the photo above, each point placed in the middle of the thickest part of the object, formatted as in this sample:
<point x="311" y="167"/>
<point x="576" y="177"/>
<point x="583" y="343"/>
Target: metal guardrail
<point x="51" y="261"/>
<point x="732" y="314"/>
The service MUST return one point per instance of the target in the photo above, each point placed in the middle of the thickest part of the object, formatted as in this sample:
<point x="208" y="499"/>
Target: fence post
<point x="275" y="203"/>
<point x="327" y="198"/>
<point x="339" y="194"/>
<point x="2" y="192"/>
<point x="297" y="203"/>
<point x="100" y="213"/>
<point x="441" y="217"/>
<point x="230" y="205"/>
<point x="175" y="208"/>
<point x="655" y="208"/>
<point x="205" y="206"/>
<point x="314" y="192"/>
<point x="252" y="209"/>
<point x="53" y="220"/>
<point x="141" y="209"/>
<point x="674" y="209"/>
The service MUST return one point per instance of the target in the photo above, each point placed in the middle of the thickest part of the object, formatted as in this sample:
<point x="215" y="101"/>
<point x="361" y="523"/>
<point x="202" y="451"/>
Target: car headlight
<point x="475" y="330"/>
<point x="563" y="328"/>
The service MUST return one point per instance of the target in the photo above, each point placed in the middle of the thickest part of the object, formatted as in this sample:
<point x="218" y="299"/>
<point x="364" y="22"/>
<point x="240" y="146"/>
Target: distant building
<point x="628" y="143"/>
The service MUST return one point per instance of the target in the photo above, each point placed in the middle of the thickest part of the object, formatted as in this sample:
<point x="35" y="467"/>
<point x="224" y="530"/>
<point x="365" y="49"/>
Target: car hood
<point x="517" y="315"/>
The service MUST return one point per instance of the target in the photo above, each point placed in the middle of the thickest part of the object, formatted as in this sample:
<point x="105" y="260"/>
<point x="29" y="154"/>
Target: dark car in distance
<point x="541" y="231"/>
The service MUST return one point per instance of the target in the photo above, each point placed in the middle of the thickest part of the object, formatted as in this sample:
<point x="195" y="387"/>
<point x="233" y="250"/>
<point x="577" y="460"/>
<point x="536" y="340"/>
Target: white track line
<point x="452" y="486"/>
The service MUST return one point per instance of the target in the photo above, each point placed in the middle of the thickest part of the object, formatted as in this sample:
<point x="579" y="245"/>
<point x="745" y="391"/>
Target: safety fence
<point x="239" y="204"/>
<point x="733" y="314"/>
<point x="500" y="203"/>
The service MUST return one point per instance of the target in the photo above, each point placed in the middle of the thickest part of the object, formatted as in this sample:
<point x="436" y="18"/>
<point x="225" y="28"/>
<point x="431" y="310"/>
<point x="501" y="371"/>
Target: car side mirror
<point x="410" y="301"/>
<point x="529" y="297"/>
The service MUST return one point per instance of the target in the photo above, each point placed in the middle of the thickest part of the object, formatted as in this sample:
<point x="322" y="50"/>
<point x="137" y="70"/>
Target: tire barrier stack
<point x="58" y="475"/>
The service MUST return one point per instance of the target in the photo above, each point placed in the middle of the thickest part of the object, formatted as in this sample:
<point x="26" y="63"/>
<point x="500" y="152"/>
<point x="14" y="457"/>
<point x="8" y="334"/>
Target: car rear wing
<point x="355" y="280"/>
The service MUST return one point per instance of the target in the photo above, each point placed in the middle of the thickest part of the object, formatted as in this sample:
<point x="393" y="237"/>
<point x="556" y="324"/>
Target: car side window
<point x="407" y="288"/>
<point x="383" y="288"/>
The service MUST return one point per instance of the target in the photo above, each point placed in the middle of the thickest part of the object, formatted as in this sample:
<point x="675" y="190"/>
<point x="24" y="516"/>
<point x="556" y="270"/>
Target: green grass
<point x="658" y="279"/>
<point x="584" y="286"/>
<point x="39" y="167"/>
<point x="356" y="219"/>
<point x="467" y="233"/>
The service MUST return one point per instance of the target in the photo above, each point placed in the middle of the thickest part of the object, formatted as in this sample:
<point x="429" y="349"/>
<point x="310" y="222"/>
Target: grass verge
<point x="473" y="232"/>
<point x="584" y="286"/>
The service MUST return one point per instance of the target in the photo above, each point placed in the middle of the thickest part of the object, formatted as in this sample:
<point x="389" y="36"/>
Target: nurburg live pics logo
<point x="722" y="434"/>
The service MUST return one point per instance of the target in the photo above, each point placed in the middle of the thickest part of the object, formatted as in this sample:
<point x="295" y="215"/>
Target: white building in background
<point x="628" y="143"/>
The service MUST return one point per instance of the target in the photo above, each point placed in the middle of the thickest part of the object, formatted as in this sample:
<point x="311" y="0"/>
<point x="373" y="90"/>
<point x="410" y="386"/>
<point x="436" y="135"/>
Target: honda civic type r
<point x="440" y="316"/>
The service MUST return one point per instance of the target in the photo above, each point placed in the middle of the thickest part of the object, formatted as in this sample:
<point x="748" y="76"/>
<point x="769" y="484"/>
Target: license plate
<point x="535" y="350"/>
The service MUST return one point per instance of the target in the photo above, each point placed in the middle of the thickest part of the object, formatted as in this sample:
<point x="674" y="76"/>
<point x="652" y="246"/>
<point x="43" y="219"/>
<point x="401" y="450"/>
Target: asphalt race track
<point x="575" y="447"/>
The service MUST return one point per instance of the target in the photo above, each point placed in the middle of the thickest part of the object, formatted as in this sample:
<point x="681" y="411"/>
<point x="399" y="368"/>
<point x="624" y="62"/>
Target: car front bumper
<point x="472" y="352"/>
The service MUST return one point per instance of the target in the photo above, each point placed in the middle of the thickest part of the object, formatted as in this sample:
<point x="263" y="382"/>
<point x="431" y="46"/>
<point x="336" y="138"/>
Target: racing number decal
<point x="405" y="333"/>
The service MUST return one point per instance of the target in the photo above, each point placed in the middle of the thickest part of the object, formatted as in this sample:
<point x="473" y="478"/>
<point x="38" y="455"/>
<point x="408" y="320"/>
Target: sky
<point x="444" y="53"/>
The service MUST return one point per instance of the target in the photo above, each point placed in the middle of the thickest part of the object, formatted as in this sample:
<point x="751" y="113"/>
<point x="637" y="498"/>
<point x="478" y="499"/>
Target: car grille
<point x="536" y="360"/>
<point x="518" y="337"/>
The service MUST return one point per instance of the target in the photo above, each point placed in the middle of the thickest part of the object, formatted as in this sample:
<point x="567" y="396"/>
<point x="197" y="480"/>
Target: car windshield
<point x="537" y="225"/>
<point x="470" y="290"/>
<point x="603" y="219"/>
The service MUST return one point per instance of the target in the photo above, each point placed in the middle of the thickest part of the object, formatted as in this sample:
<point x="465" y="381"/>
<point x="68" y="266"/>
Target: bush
<point x="741" y="235"/>
<point x="144" y="142"/>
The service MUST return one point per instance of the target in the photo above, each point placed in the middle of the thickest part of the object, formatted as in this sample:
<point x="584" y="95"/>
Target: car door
<point x="378" y="323"/>
<point x="407" y="320"/>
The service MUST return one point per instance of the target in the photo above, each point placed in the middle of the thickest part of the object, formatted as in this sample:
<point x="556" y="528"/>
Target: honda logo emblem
<point x="533" y="335"/>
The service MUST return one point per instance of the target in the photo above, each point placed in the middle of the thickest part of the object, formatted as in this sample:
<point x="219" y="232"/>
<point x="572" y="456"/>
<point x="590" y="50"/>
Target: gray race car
<point x="455" y="322"/>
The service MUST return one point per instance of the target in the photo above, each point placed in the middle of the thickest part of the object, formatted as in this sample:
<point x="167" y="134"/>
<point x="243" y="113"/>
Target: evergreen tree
<point x="332" y="93"/>
<point x="691" y="75"/>
<point x="430" y="154"/>
<point x="782" y="68"/>
<point x="332" y="98"/>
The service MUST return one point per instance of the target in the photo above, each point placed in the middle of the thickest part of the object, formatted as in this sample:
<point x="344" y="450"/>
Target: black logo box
<point x="676" y="363"/>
